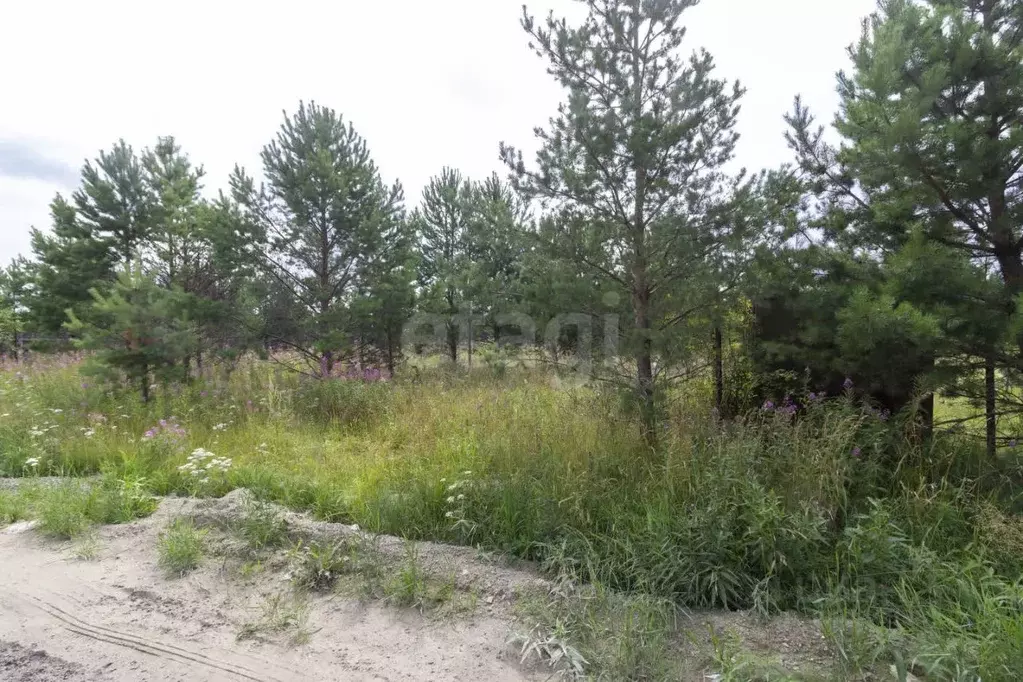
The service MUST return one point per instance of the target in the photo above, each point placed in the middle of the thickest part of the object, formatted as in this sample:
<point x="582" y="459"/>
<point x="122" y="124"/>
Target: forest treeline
<point x="886" y="256"/>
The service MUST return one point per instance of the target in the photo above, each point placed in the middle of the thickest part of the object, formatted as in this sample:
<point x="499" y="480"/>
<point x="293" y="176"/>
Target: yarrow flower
<point x="202" y="463"/>
<point x="32" y="462"/>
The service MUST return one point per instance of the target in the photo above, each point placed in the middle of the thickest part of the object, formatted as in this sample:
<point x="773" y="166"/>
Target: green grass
<point x="181" y="547"/>
<point x="914" y="548"/>
<point x="71" y="508"/>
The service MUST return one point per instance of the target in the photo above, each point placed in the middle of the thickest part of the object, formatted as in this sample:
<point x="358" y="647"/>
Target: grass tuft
<point x="181" y="547"/>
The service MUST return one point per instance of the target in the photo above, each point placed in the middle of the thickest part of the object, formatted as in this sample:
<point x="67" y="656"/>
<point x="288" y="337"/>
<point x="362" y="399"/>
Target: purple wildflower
<point x="163" y="423"/>
<point x="768" y="405"/>
<point x="813" y="397"/>
<point x="202" y="394"/>
<point x="856" y="452"/>
<point x="1012" y="443"/>
<point x="149" y="434"/>
<point x="847" y="384"/>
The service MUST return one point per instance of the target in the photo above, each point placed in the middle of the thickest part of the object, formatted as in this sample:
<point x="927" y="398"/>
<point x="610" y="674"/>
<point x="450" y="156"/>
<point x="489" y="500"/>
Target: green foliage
<point x="319" y="224"/>
<point x="142" y="332"/>
<point x="633" y="165"/>
<point x="317" y="566"/>
<point x="70" y="261"/>
<point x="114" y="204"/>
<point x="261" y="526"/>
<point x="181" y="547"/>
<point x="69" y="509"/>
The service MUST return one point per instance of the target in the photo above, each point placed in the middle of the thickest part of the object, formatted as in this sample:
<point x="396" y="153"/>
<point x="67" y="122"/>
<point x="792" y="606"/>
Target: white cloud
<point x="428" y="83"/>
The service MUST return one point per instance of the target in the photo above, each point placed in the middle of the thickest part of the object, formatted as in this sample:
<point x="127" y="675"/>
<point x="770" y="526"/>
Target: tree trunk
<point x="719" y="372"/>
<point x="145" y="386"/>
<point x="469" y="355"/>
<point x="453" y="342"/>
<point x="640" y="285"/>
<point x="390" y="353"/>
<point x="990" y="408"/>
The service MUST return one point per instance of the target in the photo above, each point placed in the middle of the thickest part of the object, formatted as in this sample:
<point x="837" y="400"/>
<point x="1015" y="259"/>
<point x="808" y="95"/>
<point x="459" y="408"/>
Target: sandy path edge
<point x="117" y="618"/>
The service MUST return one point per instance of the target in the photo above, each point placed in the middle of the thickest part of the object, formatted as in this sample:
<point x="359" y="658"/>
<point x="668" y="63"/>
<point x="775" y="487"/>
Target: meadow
<point x="910" y="553"/>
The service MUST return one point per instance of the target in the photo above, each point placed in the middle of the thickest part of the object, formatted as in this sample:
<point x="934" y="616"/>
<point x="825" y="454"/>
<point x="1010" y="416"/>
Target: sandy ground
<point x="117" y="617"/>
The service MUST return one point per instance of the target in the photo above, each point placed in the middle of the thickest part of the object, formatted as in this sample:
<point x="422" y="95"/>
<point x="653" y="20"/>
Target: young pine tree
<point x="445" y="250"/>
<point x="635" y="158"/>
<point x="138" y="331"/>
<point x="319" y="219"/>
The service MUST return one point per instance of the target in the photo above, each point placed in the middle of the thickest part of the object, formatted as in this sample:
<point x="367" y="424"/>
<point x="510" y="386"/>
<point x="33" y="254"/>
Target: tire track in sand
<point x="141" y="644"/>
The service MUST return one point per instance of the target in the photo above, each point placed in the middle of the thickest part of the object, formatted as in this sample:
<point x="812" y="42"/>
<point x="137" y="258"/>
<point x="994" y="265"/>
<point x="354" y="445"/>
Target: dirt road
<point x="116" y="617"/>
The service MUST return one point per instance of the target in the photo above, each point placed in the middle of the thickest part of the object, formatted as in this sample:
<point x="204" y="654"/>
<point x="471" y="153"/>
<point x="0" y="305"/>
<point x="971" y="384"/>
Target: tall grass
<point x="905" y="549"/>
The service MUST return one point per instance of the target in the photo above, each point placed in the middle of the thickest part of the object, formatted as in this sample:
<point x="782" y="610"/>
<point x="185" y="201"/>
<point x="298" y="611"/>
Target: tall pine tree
<point x="636" y="155"/>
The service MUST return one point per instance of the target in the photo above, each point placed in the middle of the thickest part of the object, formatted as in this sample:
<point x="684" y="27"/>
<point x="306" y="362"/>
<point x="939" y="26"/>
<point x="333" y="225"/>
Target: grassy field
<point x="911" y="555"/>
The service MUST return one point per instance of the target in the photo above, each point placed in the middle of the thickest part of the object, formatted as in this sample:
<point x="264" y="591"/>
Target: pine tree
<point x="16" y="283"/>
<point x="498" y="242"/>
<point x="319" y="219"/>
<point x="114" y="203"/>
<point x="175" y="243"/>
<point x="636" y="154"/>
<point x="445" y="250"/>
<point x="929" y="172"/>
<point x="139" y="331"/>
<point x="70" y="260"/>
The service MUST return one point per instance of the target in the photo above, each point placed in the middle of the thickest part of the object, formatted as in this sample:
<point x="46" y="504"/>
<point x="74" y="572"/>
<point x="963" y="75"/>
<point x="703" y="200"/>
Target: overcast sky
<point x="428" y="83"/>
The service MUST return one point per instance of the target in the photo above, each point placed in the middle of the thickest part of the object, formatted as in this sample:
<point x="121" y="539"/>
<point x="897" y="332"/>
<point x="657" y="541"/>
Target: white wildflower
<point x="451" y="500"/>
<point x="56" y="410"/>
<point x="449" y="515"/>
<point x="220" y="427"/>
<point x="32" y="462"/>
<point x="89" y="433"/>
<point x="461" y="496"/>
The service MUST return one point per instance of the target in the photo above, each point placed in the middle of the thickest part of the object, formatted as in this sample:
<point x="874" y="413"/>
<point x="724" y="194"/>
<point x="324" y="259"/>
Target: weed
<point x="181" y="547"/>
<point x="281" y="612"/>
<point x="620" y="637"/>
<point x="87" y="547"/>
<point x="13" y="507"/>
<point x="408" y="587"/>
<point x="64" y="511"/>
<point x="261" y="526"/>
<point x="317" y="566"/>
<point x="551" y="649"/>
